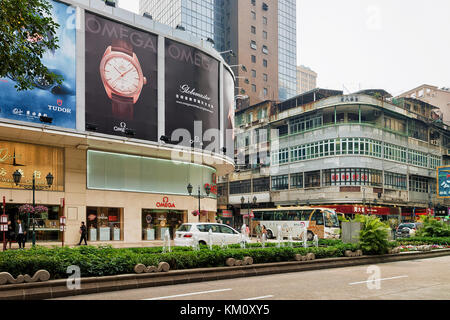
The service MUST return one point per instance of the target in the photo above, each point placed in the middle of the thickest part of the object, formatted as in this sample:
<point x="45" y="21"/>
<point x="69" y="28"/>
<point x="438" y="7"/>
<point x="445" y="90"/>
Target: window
<point x="265" y="92"/>
<point x="265" y="50"/>
<point x="280" y="182"/>
<point x="253" y="15"/>
<point x="104" y="224"/>
<point x="265" y="77"/>
<point x="238" y="187"/>
<point x="261" y="184"/>
<point x="265" y="63"/>
<point x="264" y="35"/>
<point x="317" y="217"/>
<point x="253" y="2"/>
<point x="253" y="59"/>
<point x="253" y="29"/>
<point x="296" y="180"/>
<point x="254" y="73"/>
<point x="265" y="20"/>
<point x="253" y="45"/>
<point x="253" y="88"/>
<point x="225" y="229"/>
<point x="395" y="181"/>
<point x="312" y="179"/>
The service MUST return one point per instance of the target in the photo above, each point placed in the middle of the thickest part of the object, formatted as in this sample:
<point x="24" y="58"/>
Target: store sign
<point x="29" y="160"/>
<point x="48" y="99"/>
<point x="165" y="203"/>
<point x="443" y="180"/>
<point x="349" y="99"/>
<point x="227" y="214"/>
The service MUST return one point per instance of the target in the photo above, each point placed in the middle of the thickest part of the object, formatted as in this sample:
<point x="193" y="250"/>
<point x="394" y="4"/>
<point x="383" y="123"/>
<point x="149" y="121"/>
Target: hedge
<point x="417" y="241"/>
<point x="105" y="260"/>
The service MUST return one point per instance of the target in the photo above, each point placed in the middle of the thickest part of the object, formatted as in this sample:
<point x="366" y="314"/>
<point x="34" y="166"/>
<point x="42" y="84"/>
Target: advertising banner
<point x="192" y="92"/>
<point x="121" y="79"/>
<point x="443" y="180"/>
<point x="228" y="108"/>
<point x="48" y="99"/>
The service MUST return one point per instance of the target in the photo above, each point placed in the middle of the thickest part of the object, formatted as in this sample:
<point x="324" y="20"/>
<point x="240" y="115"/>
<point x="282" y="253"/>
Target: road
<point x="405" y="280"/>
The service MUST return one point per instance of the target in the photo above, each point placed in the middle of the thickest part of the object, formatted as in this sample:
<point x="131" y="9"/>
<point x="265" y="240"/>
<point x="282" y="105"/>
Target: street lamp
<point x="207" y="190"/>
<point x="17" y="176"/>
<point x="248" y="208"/>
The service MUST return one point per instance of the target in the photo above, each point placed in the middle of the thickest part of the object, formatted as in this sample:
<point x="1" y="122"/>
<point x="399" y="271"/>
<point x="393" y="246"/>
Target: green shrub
<point x="373" y="237"/>
<point x="433" y="228"/>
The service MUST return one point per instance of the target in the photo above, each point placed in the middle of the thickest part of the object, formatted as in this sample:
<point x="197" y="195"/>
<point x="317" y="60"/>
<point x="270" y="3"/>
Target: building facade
<point x="306" y="79"/>
<point x="261" y="34"/>
<point x="287" y="49"/>
<point x="439" y="97"/>
<point x="357" y="153"/>
<point x="120" y="135"/>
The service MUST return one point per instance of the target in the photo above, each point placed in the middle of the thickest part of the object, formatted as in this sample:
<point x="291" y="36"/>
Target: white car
<point x="189" y="233"/>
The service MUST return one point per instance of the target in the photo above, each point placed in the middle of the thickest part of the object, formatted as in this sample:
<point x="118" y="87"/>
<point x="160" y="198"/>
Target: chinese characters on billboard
<point x="443" y="180"/>
<point x="192" y="94"/>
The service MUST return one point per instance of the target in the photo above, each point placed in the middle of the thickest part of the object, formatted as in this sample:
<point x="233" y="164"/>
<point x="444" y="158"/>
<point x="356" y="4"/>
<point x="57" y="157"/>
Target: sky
<point x="394" y="45"/>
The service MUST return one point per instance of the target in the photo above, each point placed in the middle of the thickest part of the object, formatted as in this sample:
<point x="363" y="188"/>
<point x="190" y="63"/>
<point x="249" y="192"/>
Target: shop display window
<point x="104" y="224"/>
<point x="156" y="222"/>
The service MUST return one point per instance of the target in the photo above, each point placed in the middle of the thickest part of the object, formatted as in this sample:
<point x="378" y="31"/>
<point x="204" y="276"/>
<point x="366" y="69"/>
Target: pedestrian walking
<point x="21" y="233"/>
<point x="83" y="233"/>
<point x="258" y="231"/>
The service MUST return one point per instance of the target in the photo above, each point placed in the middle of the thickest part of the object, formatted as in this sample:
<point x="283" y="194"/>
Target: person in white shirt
<point x="21" y="233"/>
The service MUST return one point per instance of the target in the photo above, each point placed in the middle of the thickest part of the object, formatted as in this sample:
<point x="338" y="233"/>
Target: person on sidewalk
<point x="258" y="231"/>
<point x="83" y="233"/>
<point x="21" y="233"/>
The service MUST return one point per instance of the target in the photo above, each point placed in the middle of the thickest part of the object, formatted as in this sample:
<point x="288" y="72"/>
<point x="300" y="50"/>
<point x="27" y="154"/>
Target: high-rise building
<point x="287" y="49"/>
<point x="261" y="34"/>
<point x="306" y="79"/>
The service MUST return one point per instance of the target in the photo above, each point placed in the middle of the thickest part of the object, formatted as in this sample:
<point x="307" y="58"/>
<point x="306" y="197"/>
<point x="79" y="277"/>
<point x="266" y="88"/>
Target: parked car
<point x="187" y="233"/>
<point x="405" y="230"/>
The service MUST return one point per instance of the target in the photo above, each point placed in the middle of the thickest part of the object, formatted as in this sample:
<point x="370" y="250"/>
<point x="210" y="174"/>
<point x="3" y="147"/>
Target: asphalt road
<point x="405" y="280"/>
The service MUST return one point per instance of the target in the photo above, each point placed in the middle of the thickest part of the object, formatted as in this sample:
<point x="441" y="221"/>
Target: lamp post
<point x="4" y="224"/>
<point x="17" y="176"/>
<point x="248" y="208"/>
<point x="207" y="190"/>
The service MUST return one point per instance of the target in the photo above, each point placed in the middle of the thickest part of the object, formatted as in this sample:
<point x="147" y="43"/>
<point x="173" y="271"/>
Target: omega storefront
<point x="143" y="112"/>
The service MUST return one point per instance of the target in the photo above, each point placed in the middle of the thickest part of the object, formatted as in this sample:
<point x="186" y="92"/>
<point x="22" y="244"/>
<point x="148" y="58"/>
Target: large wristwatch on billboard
<point x="122" y="78"/>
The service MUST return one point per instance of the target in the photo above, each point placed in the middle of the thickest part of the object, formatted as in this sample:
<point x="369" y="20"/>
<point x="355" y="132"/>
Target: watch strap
<point x="122" y="107"/>
<point x="122" y="46"/>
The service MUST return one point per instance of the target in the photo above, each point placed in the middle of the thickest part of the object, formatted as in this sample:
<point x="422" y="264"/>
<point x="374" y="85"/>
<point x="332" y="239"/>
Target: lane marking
<point x="258" y="298"/>
<point x="188" y="294"/>
<point x="359" y="282"/>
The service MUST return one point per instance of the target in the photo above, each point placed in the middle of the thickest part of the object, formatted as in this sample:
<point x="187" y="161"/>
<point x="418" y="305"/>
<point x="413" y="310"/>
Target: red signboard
<point x="227" y="213"/>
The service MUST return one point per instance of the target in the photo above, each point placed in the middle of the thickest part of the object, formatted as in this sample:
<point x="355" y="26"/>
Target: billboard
<point x="228" y="109"/>
<point x="121" y="79"/>
<point x="443" y="181"/>
<point x="192" y="92"/>
<point x="48" y="99"/>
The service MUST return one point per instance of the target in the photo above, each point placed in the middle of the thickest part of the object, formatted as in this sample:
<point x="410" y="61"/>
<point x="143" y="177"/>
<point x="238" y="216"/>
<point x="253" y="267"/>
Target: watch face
<point x="41" y="83"/>
<point x="121" y="75"/>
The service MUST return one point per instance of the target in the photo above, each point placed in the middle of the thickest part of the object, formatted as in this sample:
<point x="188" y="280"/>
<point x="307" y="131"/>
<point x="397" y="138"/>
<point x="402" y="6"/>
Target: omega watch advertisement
<point x="121" y="79"/>
<point x="50" y="100"/>
<point x="192" y="94"/>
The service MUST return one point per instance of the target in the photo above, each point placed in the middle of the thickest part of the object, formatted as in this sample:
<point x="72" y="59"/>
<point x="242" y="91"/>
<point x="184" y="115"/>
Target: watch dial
<point x="121" y="75"/>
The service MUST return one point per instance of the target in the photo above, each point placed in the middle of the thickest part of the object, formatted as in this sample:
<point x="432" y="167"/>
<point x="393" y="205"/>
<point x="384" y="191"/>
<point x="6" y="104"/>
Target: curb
<point x="58" y="288"/>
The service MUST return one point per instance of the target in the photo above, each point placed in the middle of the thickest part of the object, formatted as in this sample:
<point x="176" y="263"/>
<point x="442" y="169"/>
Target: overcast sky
<point x="395" y="45"/>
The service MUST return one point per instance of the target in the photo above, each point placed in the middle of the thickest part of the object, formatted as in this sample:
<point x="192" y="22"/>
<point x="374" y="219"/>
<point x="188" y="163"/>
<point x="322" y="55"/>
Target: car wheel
<point x="201" y="242"/>
<point x="310" y="236"/>
<point x="269" y="234"/>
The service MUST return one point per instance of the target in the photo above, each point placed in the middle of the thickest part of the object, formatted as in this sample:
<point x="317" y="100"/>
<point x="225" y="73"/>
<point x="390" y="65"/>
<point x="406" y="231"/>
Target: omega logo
<point x="122" y="128"/>
<point x="165" y="203"/>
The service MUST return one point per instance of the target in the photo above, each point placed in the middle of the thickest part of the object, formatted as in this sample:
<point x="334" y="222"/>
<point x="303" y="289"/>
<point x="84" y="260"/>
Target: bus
<point x="322" y="222"/>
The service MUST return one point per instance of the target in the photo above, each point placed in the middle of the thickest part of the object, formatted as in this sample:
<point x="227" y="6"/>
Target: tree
<point x="27" y="31"/>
